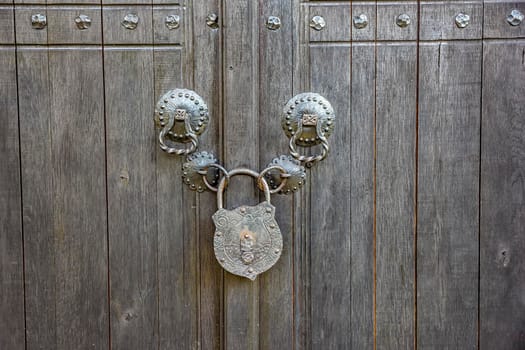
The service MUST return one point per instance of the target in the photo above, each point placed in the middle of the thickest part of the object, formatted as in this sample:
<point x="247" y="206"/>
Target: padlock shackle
<point x="241" y="171"/>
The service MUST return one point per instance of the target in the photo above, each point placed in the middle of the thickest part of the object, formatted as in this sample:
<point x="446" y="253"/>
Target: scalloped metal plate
<point x="196" y="162"/>
<point x="296" y="172"/>
<point x="310" y="106"/>
<point x="171" y="105"/>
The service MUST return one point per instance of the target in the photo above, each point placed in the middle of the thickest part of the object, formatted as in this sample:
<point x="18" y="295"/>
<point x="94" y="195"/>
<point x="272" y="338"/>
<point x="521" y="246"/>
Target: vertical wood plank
<point x="502" y="263"/>
<point x="12" y="333"/>
<point x="448" y="195"/>
<point x="241" y="145"/>
<point x="395" y="194"/>
<point x="362" y="195"/>
<point x="330" y="221"/>
<point x="275" y="89"/>
<point x="178" y="263"/>
<point x="79" y="197"/>
<point x="207" y="82"/>
<point x="131" y="177"/>
<point x="37" y="184"/>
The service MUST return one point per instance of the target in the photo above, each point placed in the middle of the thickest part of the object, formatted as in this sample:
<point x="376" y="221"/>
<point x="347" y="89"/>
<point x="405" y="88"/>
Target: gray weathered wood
<point x="387" y="12"/>
<point x="62" y="28"/>
<point x="241" y="145"/>
<point x="131" y="178"/>
<point x="275" y="88"/>
<point x="116" y="33"/>
<point x="330" y="209"/>
<point x="207" y="72"/>
<point x="395" y="194"/>
<point x="502" y="243"/>
<point x="448" y="201"/>
<point x="178" y="240"/>
<point x="7" y="28"/>
<point x="12" y="335"/>
<point x="362" y="106"/>
<point x="37" y="184"/>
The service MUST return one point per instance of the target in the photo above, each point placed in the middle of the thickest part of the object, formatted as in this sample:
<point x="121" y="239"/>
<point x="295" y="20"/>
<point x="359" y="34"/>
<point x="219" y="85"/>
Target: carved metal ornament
<point x="38" y="21"/>
<point x="83" y="22"/>
<point x="273" y="23"/>
<point x="200" y="171"/>
<point x="247" y="239"/>
<point x="360" y="21"/>
<point x="130" y="21"/>
<point x="172" y="21"/>
<point x="317" y="23"/>
<point x="403" y="20"/>
<point x="182" y="115"/>
<point x="462" y="20"/>
<point x="515" y="17"/>
<point x="294" y="173"/>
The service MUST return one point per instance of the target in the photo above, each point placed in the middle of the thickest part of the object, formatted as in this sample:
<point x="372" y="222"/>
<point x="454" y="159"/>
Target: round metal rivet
<point x="38" y="21"/>
<point x="269" y="210"/>
<point x="218" y="233"/>
<point x="462" y="20"/>
<point x="403" y="20"/>
<point x="212" y="21"/>
<point x="172" y="21"/>
<point x="360" y="21"/>
<point x="273" y="23"/>
<point x="317" y="23"/>
<point x="83" y="22"/>
<point x="130" y="21"/>
<point x="250" y="270"/>
<point x="515" y="17"/>
<point x="242" y="210"/>
<point x="276" y="251"/>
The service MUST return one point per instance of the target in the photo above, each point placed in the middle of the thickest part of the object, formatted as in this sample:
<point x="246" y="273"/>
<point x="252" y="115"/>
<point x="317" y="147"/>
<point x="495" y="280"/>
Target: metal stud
<point x="403" y="20"/>
<point x="515" y="17"/>
<point x="83" y="22"/>
<point x="317" y="23"/>
<point x="172" y="21"/>
<point x="462" y="20"/>
<point x="273" y="23"/>
<point x="360" y="21"/>
<point x="38" y="21"/>
<point x="130" y="21"/>
<point x="212" y="20"/>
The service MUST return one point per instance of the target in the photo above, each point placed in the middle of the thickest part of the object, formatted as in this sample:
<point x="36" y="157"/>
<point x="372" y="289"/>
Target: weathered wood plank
<point x="79" y="197"/>
<point x="7" y="26"/>
<point x="362" y="195"/>
<point x="275" y="88"/>
<point x="207" y="73"/>
<point x="448" y="195"/>
<point x="502" y="263"/>
<point x="131" y="178"/>
<point x="178" y="240"/>
<point x="395" y="194"/>
<point x="241" y="145"/>
<point x="330" y="209"/>
<point x="37" y="184"/>
<point x="12" y="332"/>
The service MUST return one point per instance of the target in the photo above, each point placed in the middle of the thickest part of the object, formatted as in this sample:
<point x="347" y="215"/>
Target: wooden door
<point x="409" y="235"/>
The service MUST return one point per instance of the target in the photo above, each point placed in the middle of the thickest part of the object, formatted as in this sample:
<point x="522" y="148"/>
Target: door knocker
<point x="247" y="239"/>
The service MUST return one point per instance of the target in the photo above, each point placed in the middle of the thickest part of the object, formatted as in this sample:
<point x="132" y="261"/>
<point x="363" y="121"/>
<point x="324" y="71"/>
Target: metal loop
<point x="309" y="160"/>
<point x="178" y="151"/>
<point x="284" y="176"/>
<point x="204" y="173"/>
<point x="240" y="171"/>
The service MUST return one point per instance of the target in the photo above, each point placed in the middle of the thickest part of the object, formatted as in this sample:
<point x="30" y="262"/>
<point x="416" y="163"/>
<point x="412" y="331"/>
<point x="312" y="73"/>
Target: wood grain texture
<point x="178" y="240"/>
<point x="12" y="333"/>
<point x="362" y="195"/>
<point x="330" y="223"/>
<point x="37" y="184"/>
<point x="502" y="263"/>
<point x="275" y="89"/>
<point x="7" y="25"/>
<point x="448" y="195"/>
<point x="131" y="178"/>
<point x="395" y="196"/>
<point x="241" y="146"/>
<point x="79" y="197"/>
<point x="207" y="74"/>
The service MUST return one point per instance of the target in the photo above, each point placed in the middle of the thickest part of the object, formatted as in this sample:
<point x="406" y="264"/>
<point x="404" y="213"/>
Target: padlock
<point x="247" y="239"/>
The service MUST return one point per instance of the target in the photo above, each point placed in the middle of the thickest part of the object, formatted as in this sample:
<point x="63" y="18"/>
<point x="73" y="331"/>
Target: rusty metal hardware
<point x="403" y="20"/>
<point x="462" y="20"/>
<point x="130" y="21"/>
<point x="247" y="239"/>
<point x="212" y="21"/>
<point x="317" y="23"/>
<point x="38" y="21"/>
<point x="273" y="23"/>
<point x="515" y="17"/>
<point x="360" y="21"/>
<point x="172" y="21"/>
<point x="83" y="22"/>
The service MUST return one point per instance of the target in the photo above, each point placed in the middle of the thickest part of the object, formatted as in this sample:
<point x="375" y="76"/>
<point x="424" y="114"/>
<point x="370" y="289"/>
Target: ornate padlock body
<point x="247" y="239"/>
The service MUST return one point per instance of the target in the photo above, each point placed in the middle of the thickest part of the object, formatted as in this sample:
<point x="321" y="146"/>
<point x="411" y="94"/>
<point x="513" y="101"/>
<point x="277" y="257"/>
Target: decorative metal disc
<point x="247" y="240"/>
<point x="311" y="109"/>
<point x="182" y="104"/>
<point x="294" y="169"/>
<point x="197" y="162"/>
